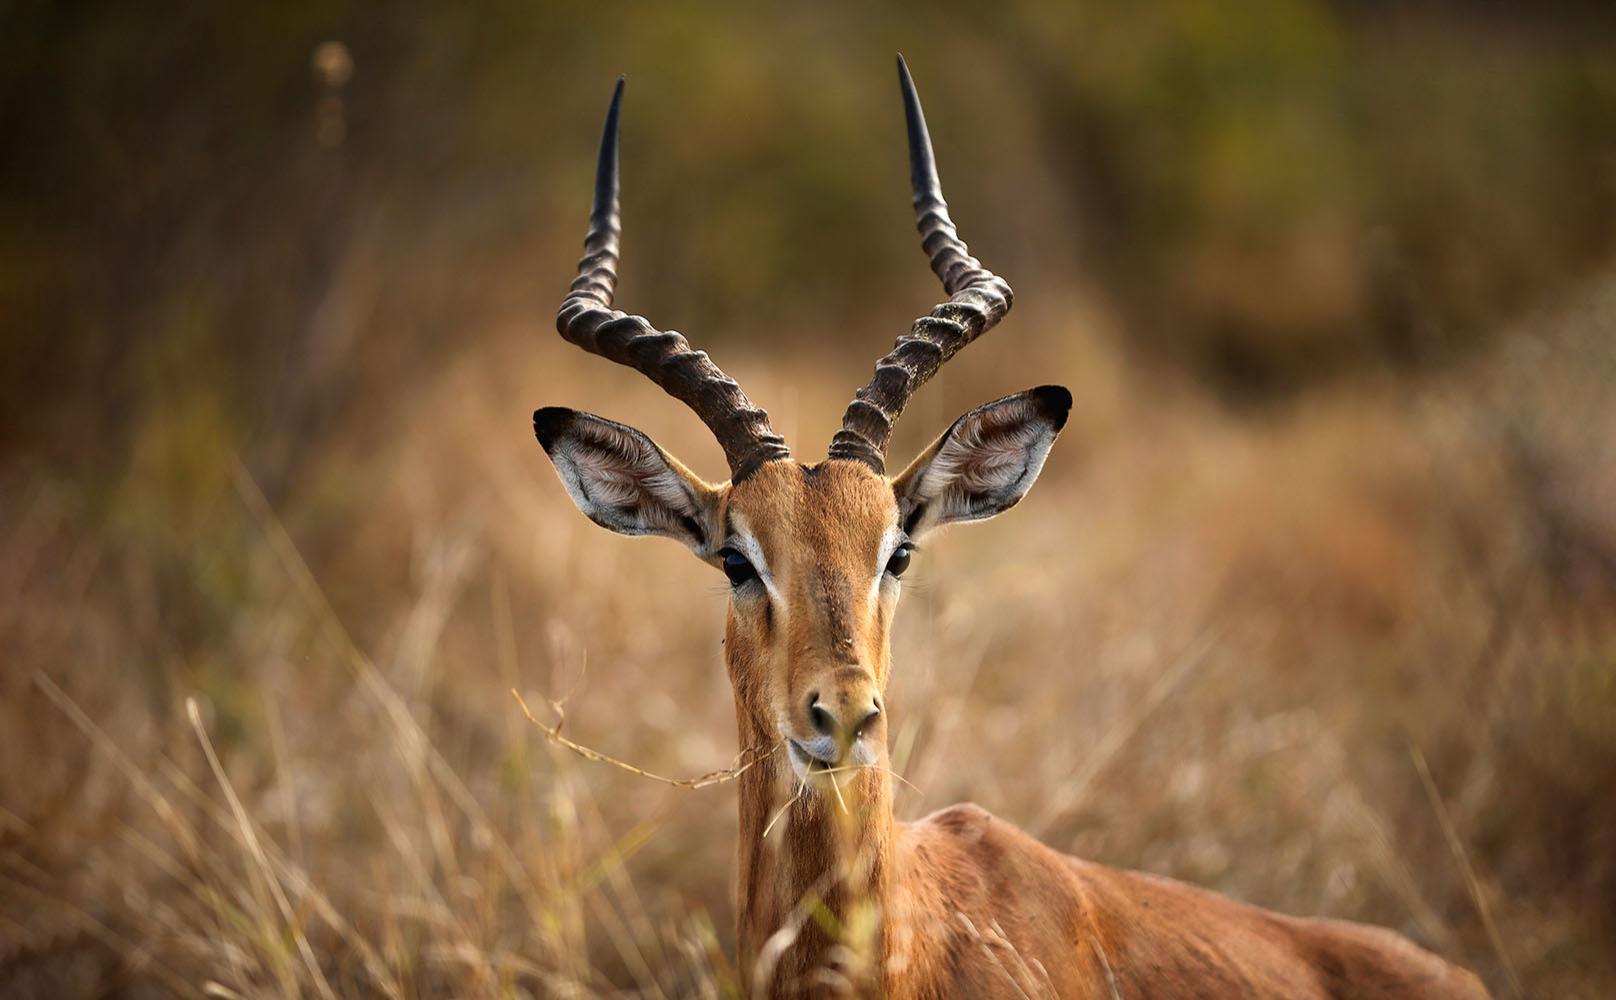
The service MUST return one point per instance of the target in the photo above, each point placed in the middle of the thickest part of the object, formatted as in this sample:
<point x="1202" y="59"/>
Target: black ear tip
<point x="550" y="422"/>
<point x="1055" y="400"/>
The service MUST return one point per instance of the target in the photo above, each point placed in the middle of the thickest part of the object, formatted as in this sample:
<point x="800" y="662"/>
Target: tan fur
<point x="959" y="904"/>
<point x="841" y="898"/>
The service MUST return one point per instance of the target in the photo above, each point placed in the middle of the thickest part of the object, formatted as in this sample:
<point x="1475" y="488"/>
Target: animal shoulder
<point x="1015" y="909"/>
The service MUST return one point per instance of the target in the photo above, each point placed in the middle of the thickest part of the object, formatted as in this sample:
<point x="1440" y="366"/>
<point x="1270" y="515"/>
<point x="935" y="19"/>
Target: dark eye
<point x="737" y="568"/>
<point x="900" y="559"/>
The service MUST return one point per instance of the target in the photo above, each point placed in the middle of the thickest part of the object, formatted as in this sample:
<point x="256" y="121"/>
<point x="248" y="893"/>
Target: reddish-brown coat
<point x="964" y="904"/>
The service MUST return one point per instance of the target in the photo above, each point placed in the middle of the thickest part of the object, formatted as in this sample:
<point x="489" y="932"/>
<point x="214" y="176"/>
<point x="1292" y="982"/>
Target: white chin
<point x="799" y="761"/>
<point x="802" y="764"/>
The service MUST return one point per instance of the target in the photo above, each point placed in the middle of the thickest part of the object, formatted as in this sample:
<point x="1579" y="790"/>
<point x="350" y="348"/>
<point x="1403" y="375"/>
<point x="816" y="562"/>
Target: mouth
<point x="805" y="761"/>
<point x="822" y="756"/>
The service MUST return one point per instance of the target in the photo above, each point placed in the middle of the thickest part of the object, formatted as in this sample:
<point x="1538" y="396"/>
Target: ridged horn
<point x="978" y="299"/>
<point x="586" y="318"/>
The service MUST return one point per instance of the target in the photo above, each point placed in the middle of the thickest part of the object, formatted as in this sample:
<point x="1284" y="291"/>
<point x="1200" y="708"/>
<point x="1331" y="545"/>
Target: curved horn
<point x="586" y="318"/>
<point x="978" y="299"/>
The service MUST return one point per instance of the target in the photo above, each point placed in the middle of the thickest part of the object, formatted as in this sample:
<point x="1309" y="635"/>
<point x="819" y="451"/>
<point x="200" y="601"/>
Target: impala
<point x="840" y="897"/>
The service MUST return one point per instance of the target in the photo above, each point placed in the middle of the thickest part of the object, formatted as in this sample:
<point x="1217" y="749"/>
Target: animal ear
<point x="621" y="480"/>
<point x="985" y="463"/>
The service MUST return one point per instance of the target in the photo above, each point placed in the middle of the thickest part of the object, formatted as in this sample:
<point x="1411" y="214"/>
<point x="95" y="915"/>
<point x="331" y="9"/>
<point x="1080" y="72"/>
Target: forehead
<point x="834" y="508"/>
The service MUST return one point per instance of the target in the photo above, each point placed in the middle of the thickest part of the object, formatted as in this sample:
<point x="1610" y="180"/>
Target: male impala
<point x="842" y="898"/>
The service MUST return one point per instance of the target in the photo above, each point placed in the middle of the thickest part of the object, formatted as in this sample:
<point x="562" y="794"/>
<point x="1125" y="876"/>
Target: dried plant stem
<point x="837" y="787"/>
<point x="1472" y="883"/>
<point x="260" y="859"/>
<point x="756" y="754"/>
<point x="870" y="767"/>
<point x="802" y="790"/>
<point x="554" y="735"/>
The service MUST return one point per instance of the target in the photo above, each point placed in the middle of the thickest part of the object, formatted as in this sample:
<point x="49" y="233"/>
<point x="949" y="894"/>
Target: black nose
<point x="867" y="719"/>
<point x="849" y="722"/>
<point x="824" y="723"/>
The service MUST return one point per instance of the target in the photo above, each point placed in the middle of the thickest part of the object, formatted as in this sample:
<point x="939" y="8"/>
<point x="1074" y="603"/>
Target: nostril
<point x="823" y="722"/>
<point x="868" y="720"/>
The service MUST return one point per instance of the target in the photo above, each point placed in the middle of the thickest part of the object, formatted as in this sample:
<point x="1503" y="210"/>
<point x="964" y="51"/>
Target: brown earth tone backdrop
<point x="1315" y="604"/>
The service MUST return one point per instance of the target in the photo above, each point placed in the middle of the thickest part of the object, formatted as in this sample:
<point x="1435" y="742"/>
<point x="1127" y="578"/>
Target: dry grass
<point x="276" y="543"/>
<point x="265" y="744"/>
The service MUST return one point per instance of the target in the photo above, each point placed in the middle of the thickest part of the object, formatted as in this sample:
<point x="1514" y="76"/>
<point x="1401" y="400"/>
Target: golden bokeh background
<point x="1315" y="603"/>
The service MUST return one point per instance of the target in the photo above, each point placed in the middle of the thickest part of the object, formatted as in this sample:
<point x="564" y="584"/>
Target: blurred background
<point x="1315" y="603"/>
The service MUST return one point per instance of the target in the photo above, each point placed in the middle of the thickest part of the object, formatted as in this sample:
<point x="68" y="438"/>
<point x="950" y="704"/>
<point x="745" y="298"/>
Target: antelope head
<point x="814" y="553"/>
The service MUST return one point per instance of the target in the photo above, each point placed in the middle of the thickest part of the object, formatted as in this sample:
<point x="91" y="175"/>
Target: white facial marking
<point x="889" y="544"/>
<point x="744" y="542"/>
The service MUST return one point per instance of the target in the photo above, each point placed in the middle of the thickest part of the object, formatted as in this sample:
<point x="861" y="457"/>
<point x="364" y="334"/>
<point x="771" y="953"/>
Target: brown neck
<point x="820" y="879"/>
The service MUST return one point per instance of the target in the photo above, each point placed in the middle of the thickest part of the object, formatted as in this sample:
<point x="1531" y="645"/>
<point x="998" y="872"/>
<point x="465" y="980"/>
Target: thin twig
<point x="1471" y="882"/>
<point x="834" y="784"/>
<point x="554" y="735"/>
<point x="801" y="791"/>
<point x="1105" y="965"/>
<point x="260" y="859"/>
<point x="871" y="767"/>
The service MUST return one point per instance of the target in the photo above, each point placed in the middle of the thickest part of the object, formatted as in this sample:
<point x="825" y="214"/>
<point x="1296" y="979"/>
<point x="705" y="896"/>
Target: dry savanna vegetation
<point x="1314" y="604"/>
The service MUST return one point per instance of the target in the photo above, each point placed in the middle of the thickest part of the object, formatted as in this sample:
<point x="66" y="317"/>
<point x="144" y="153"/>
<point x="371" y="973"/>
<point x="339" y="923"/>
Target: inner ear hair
<point x="985" y="462"/>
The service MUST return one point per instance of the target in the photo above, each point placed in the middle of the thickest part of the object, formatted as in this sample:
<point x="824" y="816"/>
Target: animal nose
<point x="843" y="717"/>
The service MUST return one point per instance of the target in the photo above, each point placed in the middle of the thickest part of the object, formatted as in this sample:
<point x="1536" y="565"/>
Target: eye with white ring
<point x="738" y="568"/>
<point x="900" y="559"/>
